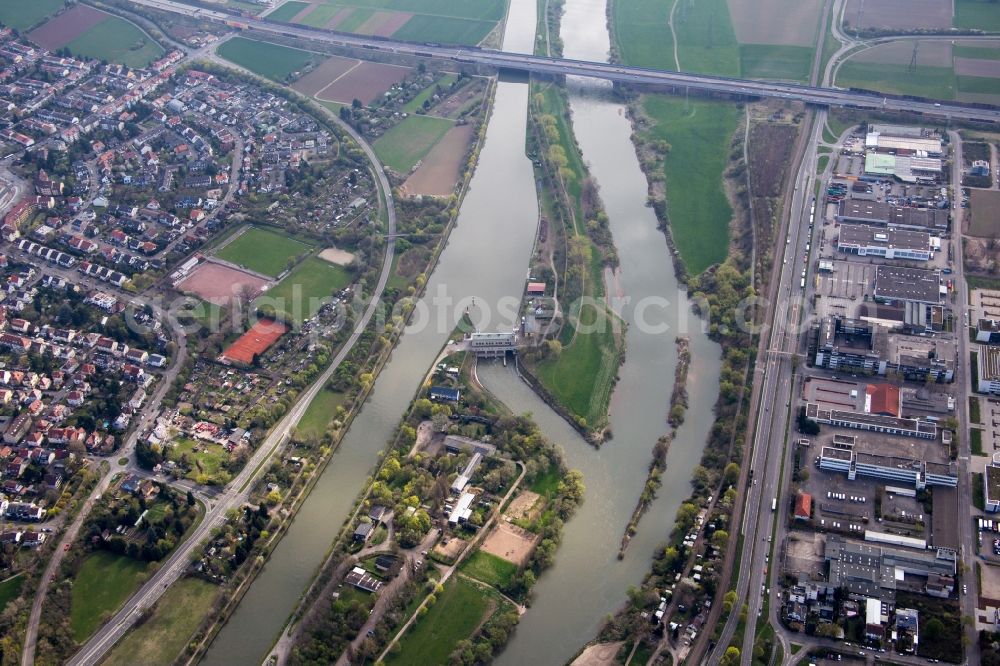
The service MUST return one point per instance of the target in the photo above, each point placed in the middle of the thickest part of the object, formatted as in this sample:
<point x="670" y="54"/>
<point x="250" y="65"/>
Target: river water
<point x="486" y="259"/>
<point x="588" y="581"/>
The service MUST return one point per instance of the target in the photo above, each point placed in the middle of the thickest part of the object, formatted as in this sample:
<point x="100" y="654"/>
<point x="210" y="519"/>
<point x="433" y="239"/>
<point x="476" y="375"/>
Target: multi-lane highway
<point x="769" y="441"/>
<point x="612" y="72"/>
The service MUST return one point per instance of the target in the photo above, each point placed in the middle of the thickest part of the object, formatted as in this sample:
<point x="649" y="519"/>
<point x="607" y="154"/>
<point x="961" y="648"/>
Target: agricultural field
<point x="898" y="15"/>
<point x="458" y="611"/>
<point x="719" y="37"/>
<point x="977" y="14"/>
<point x="967" y="72"/>
<point x="699" y="213"/>
<point x="263" y="251"/>
<point x="409" y="142"/>
<point x="91" y="33"/>
<point x="103" y="583"/>
<point x="164" y="636"/>
<point x="288" y="11"/>
<point x="766" y="61"/>
<point x="117" y="40"/>
<point x="269" y="60"/>
<point x="437" y="21"/>
<point x="305" y="289"/>
<point x="985" y="208"/>
<point x="490" y="569"/>
<point x="441" y="168"/>
<point x="22" y="15"/>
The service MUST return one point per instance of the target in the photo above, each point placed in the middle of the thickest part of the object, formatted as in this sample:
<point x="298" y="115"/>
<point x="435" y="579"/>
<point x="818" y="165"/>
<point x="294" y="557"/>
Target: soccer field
<point x="262" y="251"/>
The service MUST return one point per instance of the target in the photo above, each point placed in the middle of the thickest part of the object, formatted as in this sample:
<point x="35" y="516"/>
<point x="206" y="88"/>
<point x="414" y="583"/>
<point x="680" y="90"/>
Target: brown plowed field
<point x="66" y="27"/>
<point x="338" y="18"/>
<point x="977" y="67"/>
<point x="365" y="82"/>
<point x="219" y="284"/>
<point x="304" y="12"/>
<point x="384" y="24"/>
<point x="330" y="70"/>
<point x="781" y="22"/>
<point x="899" y="14"/>
<point x="437" y="174"/>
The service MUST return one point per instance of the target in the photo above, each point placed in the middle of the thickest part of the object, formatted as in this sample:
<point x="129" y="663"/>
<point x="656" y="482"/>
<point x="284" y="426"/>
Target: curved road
<point x="238" y="489"/>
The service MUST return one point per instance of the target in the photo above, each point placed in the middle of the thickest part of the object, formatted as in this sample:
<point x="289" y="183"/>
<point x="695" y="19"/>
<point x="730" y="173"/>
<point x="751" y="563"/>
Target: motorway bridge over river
<point x="611" y="72"/>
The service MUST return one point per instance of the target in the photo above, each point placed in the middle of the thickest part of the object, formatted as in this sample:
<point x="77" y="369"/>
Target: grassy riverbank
<point x="690" y="140"/>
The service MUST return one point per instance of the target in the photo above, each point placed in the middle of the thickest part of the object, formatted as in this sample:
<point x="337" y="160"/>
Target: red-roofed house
<point x="882" y="399"/>
<point x="803" y="506"/>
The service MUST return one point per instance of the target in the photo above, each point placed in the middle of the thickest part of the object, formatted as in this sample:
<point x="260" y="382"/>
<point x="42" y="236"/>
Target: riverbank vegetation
<point x="577" y="363"/>
<point x="675" y="417"/>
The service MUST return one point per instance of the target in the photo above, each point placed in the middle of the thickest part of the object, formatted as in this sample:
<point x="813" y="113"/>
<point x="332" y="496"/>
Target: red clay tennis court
<point x="254" y="342"/>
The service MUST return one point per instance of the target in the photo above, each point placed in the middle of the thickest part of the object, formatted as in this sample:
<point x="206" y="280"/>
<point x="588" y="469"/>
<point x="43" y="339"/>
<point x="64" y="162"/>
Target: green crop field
<point x="979" y="84"/>
<point x="287" y="11"/>
<point x="492" y="10"/>
<point x="22" y="15"/>
<point x="9" y="589"/>
<point x="641" y="32"/>
<point x="455" y="615"/>
<point x="306" y="288"/>
<point x="409" y="142"/>
<point x="444" y="30"/>
<point x="319" y="413"/>
<point x="705" y="37"/>
<point x="699" y="133"/>
<point x="977" y="14"/>
<point x="319" y="17"/>
<point x="117" y="40"/>
<point x="425" y="94"/>
<point x="978" y="52"/>
<point x="103" y="583"/>
<point x="764" y="61"/>
<point x="263" y="251"/>
<point x="355" y="19"/>
<point x="582" y="376"/>
<point x="490" y="569"/>
<point x="269" y="60"/>
<point x="926" y="81"/>
<point x="164" y="636"/>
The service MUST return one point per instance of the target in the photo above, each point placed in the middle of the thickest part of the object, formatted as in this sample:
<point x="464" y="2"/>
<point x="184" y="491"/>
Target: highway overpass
<point x="618" y="73"/>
